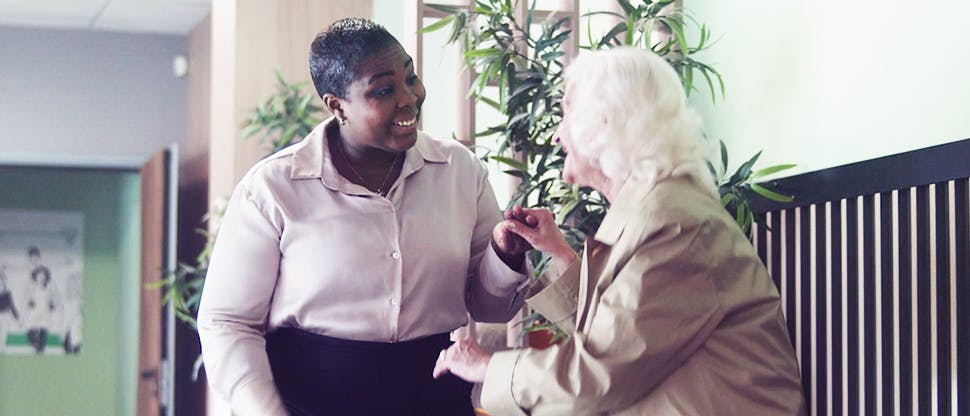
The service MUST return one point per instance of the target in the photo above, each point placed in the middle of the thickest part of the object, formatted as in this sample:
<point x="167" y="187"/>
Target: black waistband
<point x="428" y="345"/>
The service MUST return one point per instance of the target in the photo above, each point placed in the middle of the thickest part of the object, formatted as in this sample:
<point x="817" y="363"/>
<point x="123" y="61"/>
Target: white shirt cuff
<point x="498" y="278"/>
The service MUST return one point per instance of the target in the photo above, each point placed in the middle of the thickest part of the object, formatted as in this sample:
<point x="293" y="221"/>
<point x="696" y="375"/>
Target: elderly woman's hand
<point x="543" y="234"/>
<point x="465" y="359"/>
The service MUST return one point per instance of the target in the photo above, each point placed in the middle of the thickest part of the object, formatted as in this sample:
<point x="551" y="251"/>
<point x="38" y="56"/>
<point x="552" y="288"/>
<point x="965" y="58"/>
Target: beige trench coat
<point x="673" y="314"/>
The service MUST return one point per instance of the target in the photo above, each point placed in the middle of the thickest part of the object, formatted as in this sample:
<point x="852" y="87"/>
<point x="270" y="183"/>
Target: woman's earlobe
<point x="332" y="105"/>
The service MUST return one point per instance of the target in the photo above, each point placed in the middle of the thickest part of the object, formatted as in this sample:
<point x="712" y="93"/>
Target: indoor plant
<point x="527" y="66"/>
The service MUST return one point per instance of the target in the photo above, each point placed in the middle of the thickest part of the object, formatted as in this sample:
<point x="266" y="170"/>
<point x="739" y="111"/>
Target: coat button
<point x="396" y="255"/>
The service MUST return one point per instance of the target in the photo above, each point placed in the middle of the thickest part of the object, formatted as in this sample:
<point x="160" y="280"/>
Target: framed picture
<point x="41" y="281"/>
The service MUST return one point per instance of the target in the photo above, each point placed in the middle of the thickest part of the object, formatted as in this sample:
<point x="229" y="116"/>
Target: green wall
<point x="101" y="379"/>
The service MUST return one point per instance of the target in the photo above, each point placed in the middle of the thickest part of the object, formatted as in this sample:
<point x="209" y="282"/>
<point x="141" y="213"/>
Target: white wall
<point x="829" y="82"/>
<point x="68" y="94"/>
<point x="390" y="14"/>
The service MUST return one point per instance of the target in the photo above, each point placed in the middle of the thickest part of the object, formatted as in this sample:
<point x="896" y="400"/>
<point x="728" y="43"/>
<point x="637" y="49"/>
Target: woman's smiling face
<point x="383" y="102"/>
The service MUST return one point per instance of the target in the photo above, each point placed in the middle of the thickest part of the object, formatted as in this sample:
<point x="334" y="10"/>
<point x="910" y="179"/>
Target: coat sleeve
<point x="494" y="292"/>
<point x="658" y="310"/>
<point x="558" y="300"/>
<point x="235" y="302"/>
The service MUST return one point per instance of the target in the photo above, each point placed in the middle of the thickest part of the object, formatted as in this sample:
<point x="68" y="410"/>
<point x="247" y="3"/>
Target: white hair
<point x="628" y="112"/>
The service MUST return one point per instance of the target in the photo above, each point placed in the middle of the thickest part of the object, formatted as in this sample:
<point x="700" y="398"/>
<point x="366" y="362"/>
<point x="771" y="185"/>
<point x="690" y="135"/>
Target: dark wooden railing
<point x="872" y="264"/>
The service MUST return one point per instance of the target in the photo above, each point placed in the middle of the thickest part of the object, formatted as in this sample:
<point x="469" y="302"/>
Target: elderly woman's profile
<point x="670" y="310"/>
<point x="343" y="262"/>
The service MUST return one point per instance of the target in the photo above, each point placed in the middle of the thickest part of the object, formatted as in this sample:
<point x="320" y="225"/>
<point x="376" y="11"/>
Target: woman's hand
<point x="508" y="245"/>
<point x="465" y="359"/>
<point x="537" y="226"/>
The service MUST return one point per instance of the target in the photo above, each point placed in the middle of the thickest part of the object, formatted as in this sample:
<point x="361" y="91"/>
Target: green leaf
<point x="744" y="172"/>
<point x="772" y="195"/>
<point x="724" y="156"/>
<point x="483" y="53"/>
<point x="710" y="86"/>
<point x="444" y="21"/>
<point x="626" y="6"/>
<point x="517" y="164"/>
<point x="279" y="77"/>
<point x="303" y="106"/>
<point x="770" y="170"/>
<point x="490" y="102"/>
<point x="524" y="176"/>
<point x="728" y="199"/>
<point x="446" y="9"/>
<point x="607" y="13"/>
<point x="612" y="34"/>
<point x="553" y="55"/>
<point x="251" y="129"/>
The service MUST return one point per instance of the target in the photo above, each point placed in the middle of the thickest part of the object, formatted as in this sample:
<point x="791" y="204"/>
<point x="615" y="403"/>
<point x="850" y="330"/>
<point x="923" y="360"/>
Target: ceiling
<point x="175" y="17"/>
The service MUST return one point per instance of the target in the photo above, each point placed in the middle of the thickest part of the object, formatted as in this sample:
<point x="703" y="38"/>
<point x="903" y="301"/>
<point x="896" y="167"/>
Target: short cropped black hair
<point x="33" y="251"/>
<point x="337" y="51"/>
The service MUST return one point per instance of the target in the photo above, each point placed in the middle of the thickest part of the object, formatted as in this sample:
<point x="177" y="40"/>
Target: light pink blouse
<point x="301" y="246"/>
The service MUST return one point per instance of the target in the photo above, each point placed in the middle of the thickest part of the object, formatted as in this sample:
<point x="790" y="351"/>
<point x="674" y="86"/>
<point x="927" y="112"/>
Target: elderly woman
<point x="344" y="261"/>
<point x="670" y="310"/>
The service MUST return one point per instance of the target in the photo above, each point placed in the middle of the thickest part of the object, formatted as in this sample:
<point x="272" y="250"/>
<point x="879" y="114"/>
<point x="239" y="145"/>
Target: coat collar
<point x="624" y="211"/>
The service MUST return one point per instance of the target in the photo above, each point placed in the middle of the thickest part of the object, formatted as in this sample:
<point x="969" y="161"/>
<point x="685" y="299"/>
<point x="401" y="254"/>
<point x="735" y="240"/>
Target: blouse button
<point x="396" y="255"/>
<point x="394" y="302"/>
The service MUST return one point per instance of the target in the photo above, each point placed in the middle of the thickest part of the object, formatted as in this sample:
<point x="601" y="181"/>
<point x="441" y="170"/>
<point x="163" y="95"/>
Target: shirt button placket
<point x="395" y="300"/>
<point x="397" y="267"/>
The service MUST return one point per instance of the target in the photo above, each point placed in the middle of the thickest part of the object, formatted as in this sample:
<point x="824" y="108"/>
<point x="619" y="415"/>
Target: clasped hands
<point x="521" y="230"/>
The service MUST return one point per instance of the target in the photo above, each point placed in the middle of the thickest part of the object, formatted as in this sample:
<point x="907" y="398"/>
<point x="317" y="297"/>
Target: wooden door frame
<point x="155" y="381"/>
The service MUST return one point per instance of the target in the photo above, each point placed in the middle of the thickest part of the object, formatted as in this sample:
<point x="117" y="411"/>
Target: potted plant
<point x="527" y="67"/>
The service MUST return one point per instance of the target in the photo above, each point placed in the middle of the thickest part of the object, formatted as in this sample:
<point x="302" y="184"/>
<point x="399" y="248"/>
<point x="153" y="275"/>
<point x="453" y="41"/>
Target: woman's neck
<point x="609" y="187"/>
<point x="362" y="157"/>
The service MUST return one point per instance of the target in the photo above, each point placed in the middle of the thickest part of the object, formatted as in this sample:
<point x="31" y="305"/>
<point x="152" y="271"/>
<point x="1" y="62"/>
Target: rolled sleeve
<point x="496" y="292"/>
<point x="497" y="390"/>
<point x="558" y="300"/>
<point x="498" y="278"/>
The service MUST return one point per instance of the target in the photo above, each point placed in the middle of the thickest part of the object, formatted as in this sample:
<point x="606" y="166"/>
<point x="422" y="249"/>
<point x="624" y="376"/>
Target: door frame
<point x="163" y="370"/>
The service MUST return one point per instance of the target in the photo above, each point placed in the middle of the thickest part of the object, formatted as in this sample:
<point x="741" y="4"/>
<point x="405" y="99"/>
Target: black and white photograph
<point x="41" y="282"/>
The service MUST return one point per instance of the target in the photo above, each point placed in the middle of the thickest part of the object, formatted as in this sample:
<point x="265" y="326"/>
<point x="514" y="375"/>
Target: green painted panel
<point x="100" y="380"/>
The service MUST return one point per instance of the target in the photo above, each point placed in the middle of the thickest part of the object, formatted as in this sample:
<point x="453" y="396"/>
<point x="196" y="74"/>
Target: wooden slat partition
<point x="872" y="264"/>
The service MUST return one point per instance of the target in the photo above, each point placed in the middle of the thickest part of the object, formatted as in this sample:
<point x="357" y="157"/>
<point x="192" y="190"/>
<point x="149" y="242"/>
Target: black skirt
<point x="320" y="375"/>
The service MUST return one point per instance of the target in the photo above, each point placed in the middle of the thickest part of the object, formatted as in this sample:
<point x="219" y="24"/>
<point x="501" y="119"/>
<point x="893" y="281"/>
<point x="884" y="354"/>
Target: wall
<point x="72" y="93"/>
<point x="830" y="82"/>
<point x="101" y="379"/>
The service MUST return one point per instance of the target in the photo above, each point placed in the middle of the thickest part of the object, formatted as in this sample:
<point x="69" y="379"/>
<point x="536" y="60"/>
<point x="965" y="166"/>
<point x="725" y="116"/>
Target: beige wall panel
<point x="223" y="127"/>
<point x="267" y="36"/>
<point x="195" y="148"/>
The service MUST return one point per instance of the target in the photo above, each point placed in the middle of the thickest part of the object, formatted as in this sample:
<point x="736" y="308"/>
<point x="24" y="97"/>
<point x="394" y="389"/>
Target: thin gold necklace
<point x="380" y="189"/>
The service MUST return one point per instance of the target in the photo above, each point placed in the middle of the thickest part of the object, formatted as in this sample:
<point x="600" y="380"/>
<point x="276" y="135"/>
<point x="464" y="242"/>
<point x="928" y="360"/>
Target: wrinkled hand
<point x="465" y="359"/>
<point x="543" y="234"/>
